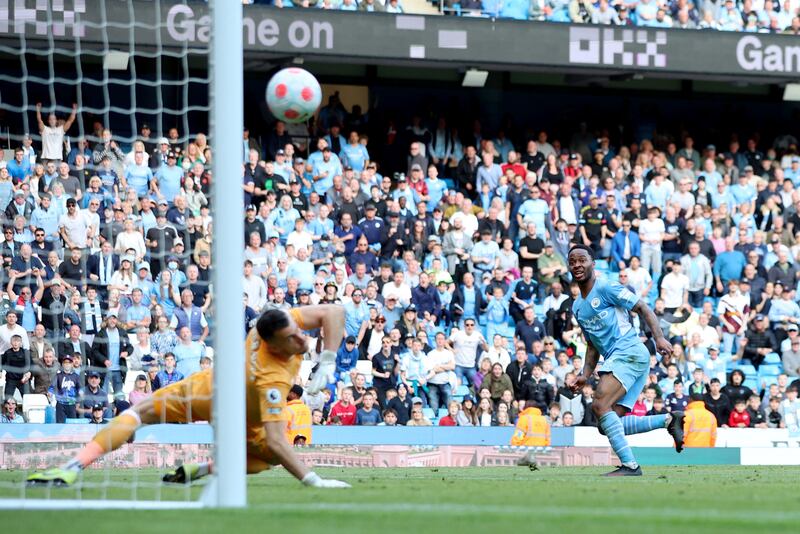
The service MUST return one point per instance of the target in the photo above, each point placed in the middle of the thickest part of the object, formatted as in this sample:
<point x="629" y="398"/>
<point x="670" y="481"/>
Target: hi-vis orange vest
<point x="299" y="423"/>
<point x="532" y="429"/>
<point x="699" y="426"/>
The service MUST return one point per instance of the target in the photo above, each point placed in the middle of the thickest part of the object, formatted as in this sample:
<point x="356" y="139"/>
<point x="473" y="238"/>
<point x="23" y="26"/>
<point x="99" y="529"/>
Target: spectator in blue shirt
<point x="354" y="154"/>
<point x="484" y="253"/>
<point x="728" y="265"/>
<point x="742" y="191"/>
<point x="323" y="169"/>
<point x="167" y="182"/>
<point x="20" y="167"/>
<point x="356" y="315"/>
<point x="346" y="358"/>
<point x="367" y="415"/>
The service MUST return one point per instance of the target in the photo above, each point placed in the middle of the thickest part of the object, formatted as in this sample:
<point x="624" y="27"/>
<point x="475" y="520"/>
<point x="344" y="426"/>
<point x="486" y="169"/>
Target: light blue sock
<point x="635" y="425"/>
<point x="612" y="426"/>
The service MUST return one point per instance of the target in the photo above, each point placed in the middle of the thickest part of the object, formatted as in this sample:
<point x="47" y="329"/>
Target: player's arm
<point x="649" y="318"/>
<point x="282" y="451"/>
<point x="329" y="317"/>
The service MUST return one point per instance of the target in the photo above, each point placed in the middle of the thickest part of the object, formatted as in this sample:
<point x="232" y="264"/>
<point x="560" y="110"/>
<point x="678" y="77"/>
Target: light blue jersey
<point x="604" y="316"/>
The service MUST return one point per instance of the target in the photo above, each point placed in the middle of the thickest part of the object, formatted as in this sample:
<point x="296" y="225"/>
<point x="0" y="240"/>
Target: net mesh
<point x="102" y="69"/>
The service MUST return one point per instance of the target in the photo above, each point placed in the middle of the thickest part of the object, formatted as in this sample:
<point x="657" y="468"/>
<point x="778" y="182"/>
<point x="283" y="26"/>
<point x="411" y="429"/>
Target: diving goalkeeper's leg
<point x="118" y="432"/>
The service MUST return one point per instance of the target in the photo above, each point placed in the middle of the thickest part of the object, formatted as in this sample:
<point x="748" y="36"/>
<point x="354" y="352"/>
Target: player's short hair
<point x="588" y="250"/>
<point x="271" y="320"/>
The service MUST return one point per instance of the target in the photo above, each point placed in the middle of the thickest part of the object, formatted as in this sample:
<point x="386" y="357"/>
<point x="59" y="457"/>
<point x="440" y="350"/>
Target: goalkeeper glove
<point x="313" y="480"/>
<point x="325" y="373"/>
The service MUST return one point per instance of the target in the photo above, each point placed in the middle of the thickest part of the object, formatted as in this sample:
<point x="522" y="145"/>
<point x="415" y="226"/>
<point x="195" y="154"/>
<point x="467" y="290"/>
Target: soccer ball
<point x="293" y="95"/>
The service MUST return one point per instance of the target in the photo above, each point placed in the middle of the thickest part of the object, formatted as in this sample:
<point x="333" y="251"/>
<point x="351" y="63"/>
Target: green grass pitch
<point x="455" y="501"/>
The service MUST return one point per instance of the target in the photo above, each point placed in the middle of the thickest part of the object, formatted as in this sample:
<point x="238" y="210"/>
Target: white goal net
<point x="120" y="177"/>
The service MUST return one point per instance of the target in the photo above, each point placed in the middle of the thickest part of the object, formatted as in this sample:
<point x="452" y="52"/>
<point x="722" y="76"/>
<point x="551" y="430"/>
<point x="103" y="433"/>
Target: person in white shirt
<point x="498" y="353"/>
<point x="300" y="237"/>
<point x="554" y="300"/>
<point x="53" y="134"/>
<point x="399" y="289"/>
<point x="465" y="345"/>
<point x="130" y="238"/>
<point x="11" y="329"/>
<point x="675" y="289"/>
<point x="440" y="362"/>
<point x="74" y="227"/>
<point x="638" y="278"/>
<point x="651" y="233"/>
<point x="254" y="287"/>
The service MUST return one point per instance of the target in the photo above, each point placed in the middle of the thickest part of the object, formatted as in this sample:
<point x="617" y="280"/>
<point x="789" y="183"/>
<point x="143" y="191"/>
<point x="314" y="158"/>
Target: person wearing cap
<point x="66" y="385"/>
<point x="346" y="359"/>
<point x="91" y="395"/>
<point x="96" y="415"/>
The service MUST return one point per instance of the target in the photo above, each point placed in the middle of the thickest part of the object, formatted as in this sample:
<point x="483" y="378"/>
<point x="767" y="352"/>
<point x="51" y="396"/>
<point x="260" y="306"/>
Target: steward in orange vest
<point x="699" y="424"/>
<point x="298" y="425"/>
<point x="532" y="429"/>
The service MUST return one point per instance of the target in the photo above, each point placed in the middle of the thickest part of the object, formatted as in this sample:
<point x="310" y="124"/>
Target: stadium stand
<point x="449" y="262"/>
<point x="732" y="15"/>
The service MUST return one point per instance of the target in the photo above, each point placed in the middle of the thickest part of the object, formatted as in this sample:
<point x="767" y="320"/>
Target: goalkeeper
<point x="274" y="352"/>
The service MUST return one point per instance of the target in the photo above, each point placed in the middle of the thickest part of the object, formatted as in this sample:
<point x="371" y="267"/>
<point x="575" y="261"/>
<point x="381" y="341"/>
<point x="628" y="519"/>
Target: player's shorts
<point x="187" y="400"/>
<point x="191" y="400"/>
<point x="631" y="367"/>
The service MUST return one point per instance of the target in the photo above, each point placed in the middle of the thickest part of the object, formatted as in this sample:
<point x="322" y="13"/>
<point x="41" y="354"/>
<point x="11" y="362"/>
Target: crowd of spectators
<point x="449" y="263"/>
<point x="760" y="16"/>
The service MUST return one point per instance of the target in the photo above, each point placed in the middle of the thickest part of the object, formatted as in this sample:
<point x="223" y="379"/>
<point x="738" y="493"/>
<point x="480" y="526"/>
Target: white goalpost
<point x="142" y="80"/>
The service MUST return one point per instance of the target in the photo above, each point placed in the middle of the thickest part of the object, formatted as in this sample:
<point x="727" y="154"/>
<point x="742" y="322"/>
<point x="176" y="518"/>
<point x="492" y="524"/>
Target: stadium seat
<point x="442" y="412"/>
<point x="461" y="391"/>
<point x="34" y="407"/>
<point x="77" y="421"/>
<point x="753" y="383"/>
<point x="601" y="265"/>
<point x="770" y="369"/>
<point x="772" y="358"/>
<point x="428" y="413"/>
<point x="748" y="369"/>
